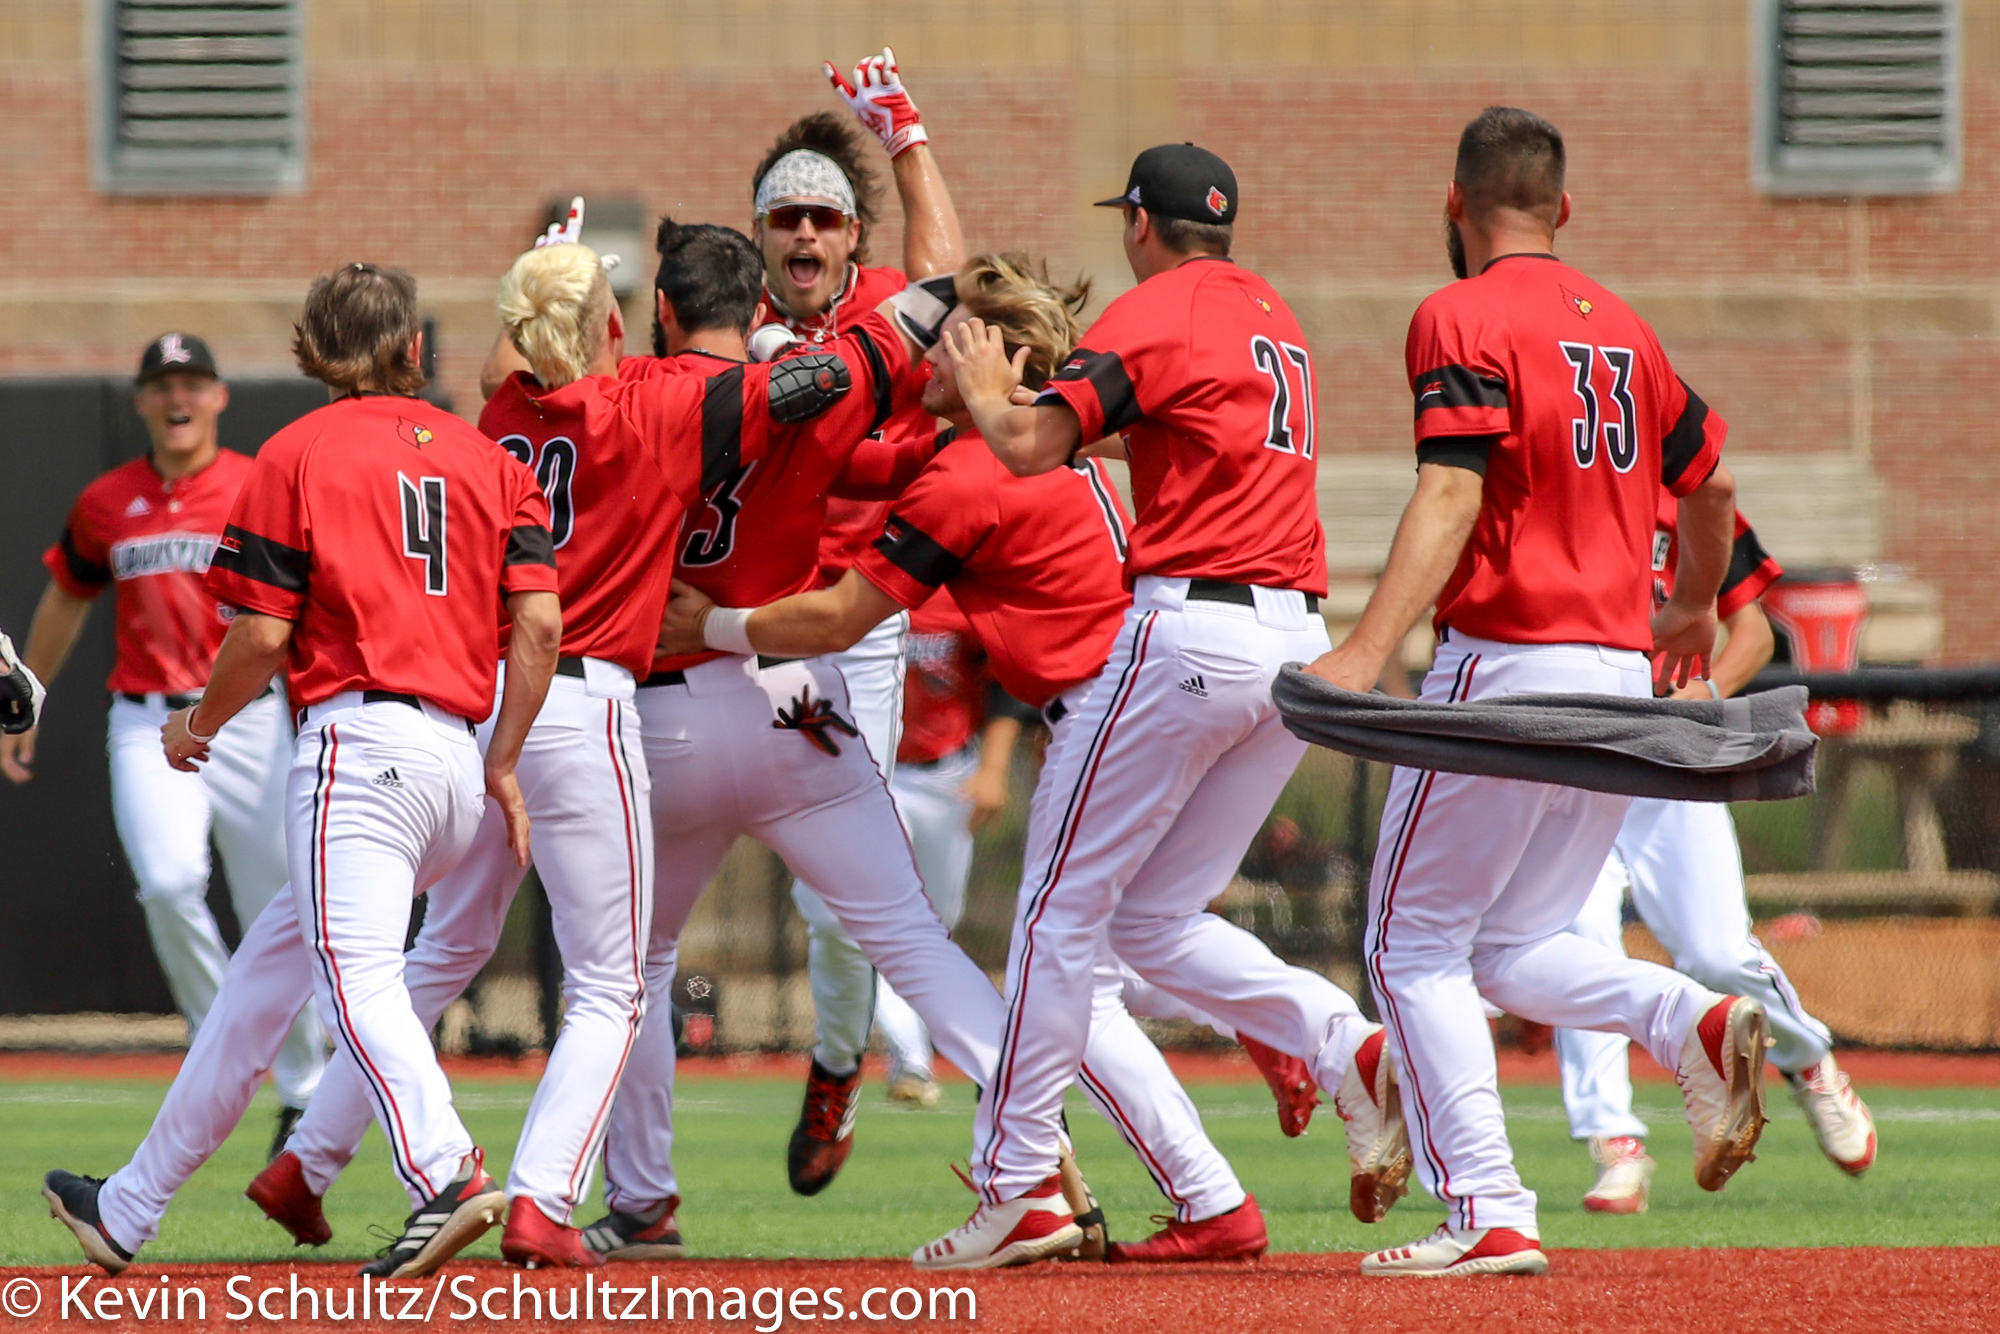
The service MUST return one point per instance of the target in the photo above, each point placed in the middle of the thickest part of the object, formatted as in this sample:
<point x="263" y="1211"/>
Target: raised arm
<point x="1429" y="540"/>
<point x="1027" y="439"/>
<point x="932" y="240"/>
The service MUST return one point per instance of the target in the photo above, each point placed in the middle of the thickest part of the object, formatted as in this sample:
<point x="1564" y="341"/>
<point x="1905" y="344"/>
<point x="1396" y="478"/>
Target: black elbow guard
<point x="921" y="307"/>
<point x="804" y="386"/>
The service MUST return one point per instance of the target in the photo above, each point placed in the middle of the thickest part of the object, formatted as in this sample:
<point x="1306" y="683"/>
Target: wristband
<point x="728" y="629"/>
<point x="194" y="736"/>
<point x="1709" y="681"/>
<point x="903" y="140"/>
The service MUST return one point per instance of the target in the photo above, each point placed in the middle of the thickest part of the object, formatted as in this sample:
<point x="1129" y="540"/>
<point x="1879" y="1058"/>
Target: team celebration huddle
<point x="802" y="571"/>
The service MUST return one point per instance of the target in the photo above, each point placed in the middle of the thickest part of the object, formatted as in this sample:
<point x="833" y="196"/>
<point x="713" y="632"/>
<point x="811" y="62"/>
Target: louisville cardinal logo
<point x="1218" y="202"/>
<point x="1581" y="303"/>
<point x="415" y="432"/>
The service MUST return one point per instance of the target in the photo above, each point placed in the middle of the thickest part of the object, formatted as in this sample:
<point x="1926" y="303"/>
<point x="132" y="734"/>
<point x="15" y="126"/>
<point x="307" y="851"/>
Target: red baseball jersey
<point x="1587" y="421"/>
<point x="1205" y="374"/>
<point x="1751" y="568"/>
<point x="621" y="461"/>
<point x="1034" y="562"/>
<point x="850" y="524"/>
<point x="153" y="539"/>
<point x="391" y="533"/>
<point x="755" y="536"/>
<point x="944" y="690"/>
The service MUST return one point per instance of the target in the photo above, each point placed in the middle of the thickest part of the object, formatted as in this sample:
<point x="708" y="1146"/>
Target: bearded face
<point x="1454" y="248"/>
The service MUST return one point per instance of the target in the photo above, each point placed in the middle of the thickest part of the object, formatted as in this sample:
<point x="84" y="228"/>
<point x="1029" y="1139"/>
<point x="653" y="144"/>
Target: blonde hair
<point x="553" y="303"/>
<point x="1013" y="293"/>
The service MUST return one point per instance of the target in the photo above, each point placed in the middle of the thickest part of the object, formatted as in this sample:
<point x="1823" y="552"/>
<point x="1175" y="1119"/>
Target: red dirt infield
<point x="1632" y="1292"/>
<point x="1895" y="1069"/>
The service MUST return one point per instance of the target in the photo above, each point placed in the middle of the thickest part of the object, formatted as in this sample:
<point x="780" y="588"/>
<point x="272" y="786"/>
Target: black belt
<point x="173" y="702"/>
<point x="391" y="697"/>
<point x="570" y="667"/>
<point x="679" y="678"/>
<point x="1215" y="590"/>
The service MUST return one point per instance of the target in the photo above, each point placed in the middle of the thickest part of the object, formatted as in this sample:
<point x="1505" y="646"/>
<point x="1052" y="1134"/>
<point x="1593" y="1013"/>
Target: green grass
<point x="1934" y="1185"/>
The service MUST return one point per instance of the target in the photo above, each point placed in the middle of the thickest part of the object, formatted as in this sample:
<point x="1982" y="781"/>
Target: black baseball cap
<point x="175" y="352"/>
<point x="1180" y="181"/>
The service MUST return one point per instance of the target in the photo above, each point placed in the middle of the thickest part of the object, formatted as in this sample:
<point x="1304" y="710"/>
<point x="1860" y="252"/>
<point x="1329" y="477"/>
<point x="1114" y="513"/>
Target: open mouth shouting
<point x="804" y="271"/>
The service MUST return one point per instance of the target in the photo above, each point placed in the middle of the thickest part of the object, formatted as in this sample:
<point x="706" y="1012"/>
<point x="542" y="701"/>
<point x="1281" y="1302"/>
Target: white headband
<point x="804" y="174"/>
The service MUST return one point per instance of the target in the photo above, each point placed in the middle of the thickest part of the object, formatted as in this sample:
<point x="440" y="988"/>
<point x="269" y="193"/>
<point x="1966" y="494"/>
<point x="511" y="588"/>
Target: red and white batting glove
<point x="567" y="232"/>
<point x="881" y="102"/>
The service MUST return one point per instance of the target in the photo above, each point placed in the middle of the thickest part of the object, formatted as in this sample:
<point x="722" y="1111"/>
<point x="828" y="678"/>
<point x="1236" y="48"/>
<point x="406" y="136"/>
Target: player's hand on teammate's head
<point x="1683" y="640"/>
<point x="880" y="102"/>
<point x="17" y="755"/>
<point x="980" y="364"/>
<point x="505" y="788"/>
<point x="680" y="628"/>
<point x="185" y="751"/>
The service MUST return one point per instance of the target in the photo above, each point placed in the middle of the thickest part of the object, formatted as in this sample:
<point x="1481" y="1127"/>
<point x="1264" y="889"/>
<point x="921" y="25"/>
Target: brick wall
<point x="439" y="129"/>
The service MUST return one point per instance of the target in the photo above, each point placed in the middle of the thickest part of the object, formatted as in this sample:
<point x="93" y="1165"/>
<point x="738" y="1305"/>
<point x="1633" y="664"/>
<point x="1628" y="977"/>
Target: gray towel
<point x="1750" y="748"/>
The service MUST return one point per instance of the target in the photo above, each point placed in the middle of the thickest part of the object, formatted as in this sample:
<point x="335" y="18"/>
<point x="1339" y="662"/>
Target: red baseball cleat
<point x="1291" y="1084"/>
<point x="280" y="1190"/>
<point x="533" y="1240"/>
<point x="1236" y="1235"/>
<point x="824" y="1135"/>
<point x="1019" y="1231"/>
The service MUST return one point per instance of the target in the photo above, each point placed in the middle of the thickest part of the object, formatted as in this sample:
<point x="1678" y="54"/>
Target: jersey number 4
<point x="1284" y="363"/>
<point x="555" y="469"/>
<point x="1621" y="439"/>
<point x="423" y="528"/>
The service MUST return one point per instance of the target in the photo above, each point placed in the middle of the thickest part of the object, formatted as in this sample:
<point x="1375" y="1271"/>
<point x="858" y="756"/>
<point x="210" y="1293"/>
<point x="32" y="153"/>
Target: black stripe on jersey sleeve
<point x="257" y="557"/>
<point x="1746" y="557"/>
<point x="83" y="570"/>
<point x="1458" y="451"/>
<point x="721" y="428"/>
<point x="531" y="544"/>
<point x="1683" y="443"/>
<point x="1459" y="387"/>
<point x="916" y="553"/>
<point x="878" y="373"/>
<point x="1106" y="373"/>
<point x="944" y="437"/>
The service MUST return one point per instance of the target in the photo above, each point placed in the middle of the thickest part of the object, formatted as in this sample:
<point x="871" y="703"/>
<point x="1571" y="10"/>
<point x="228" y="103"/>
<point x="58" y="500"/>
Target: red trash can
<point x="1820" y="614"/>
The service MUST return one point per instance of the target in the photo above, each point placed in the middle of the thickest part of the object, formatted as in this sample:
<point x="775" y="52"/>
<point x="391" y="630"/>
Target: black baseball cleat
<point x="450" y="1221"/>
<point x="288" y="1119"/>
<point x="73" y="1202"/>
<point x="651" y="1235"/>
<point x="824" y="1135"/>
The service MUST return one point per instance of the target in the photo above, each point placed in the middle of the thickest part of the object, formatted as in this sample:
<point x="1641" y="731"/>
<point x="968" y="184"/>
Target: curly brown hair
<point x="356" y="330"/>
<point x="832" y="137"/>
<point x="1015" y="295"/>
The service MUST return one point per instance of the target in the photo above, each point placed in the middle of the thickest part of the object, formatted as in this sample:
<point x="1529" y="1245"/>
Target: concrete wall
<point x="1858" y="329"/>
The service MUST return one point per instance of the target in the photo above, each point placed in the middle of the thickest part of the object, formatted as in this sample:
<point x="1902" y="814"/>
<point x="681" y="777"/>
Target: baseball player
<point x="951" y="777"/>
<point x="1547" y="420"/>
<point x="610" y="457"/>
<point x="1035" y="565"/>
<point x="815" y="202"/>
<point x="1203" y="373"/>
<point x="374" y="547"/>
<point x="1680" y="860"/>
<point x="148" y="528"/>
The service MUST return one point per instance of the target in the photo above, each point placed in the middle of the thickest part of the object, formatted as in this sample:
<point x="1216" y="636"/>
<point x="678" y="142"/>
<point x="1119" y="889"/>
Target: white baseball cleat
<point x="1721" y="1075"/>
<point x="1014" y="1232"/>
<point x="1624" y="1175"/>
<point x="1461" y="1252"/>
<point x="1378" y="1141"/>
<point x="1840" y="1120"/>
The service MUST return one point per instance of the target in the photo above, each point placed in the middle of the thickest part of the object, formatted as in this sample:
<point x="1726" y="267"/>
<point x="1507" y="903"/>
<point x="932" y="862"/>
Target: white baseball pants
<point x="1681" y="861"/>
<point x="289" y="949"/>
<point x="934" y="812"/>
<point x="1476" y="881"/>
<point x="843" y="981"/>
<point x="583" y="776"/>
<point x="1153" y="786"/>
<point x="384" y="800"/>
<point x="721" y="769"/>
<point x="164" y="819"/>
